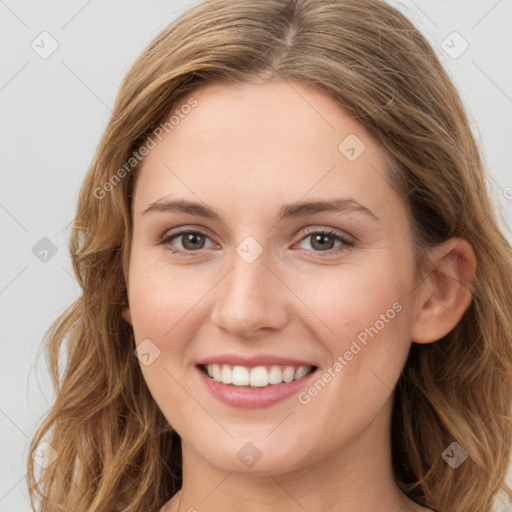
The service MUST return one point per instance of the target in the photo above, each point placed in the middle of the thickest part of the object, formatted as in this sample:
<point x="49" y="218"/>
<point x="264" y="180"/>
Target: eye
<point x="191" y="241"/>
<point x="325" y="240"/>
<point x="321" y="241"/>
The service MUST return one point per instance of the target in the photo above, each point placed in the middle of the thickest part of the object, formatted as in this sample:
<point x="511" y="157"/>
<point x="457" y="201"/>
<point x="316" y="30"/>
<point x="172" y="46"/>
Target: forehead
<point x="259" y="144"/>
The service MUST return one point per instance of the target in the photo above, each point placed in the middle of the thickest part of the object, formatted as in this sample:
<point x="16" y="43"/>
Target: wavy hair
<point x="115" y="449"/>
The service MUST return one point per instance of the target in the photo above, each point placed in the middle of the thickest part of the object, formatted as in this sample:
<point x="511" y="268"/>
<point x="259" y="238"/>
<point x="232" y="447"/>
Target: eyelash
<point x="346" y="243"/>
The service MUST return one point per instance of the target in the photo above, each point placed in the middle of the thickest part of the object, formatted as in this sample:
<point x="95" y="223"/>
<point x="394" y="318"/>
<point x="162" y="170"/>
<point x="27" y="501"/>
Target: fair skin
<point x="244" y="152"/>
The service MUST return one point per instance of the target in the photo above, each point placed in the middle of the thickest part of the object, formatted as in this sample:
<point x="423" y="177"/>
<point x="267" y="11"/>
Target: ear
<point x="127" y="315"/>
<point x="445" y="295"/>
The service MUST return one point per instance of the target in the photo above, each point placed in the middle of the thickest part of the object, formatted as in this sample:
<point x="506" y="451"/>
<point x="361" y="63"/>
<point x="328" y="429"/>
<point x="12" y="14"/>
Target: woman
<point x="296" y="294"/>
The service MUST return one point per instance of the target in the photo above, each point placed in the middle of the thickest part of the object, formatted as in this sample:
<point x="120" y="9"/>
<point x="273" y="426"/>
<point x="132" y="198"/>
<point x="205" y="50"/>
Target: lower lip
<point x="253" y="398"/>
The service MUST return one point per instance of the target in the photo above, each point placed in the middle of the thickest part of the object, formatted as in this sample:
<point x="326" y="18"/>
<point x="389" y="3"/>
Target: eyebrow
<point x="295" y="210"/>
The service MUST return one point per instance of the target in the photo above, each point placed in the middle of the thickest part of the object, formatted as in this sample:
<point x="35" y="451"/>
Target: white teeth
<point x="216" y="372"/>
<point x="300" y="372"/>
<point x="259" y="376"/>
<point x="275" y="375"/>
<point x="288" y="373"/>
<point x="240" y="376"/>
<point x="226" y="374"/>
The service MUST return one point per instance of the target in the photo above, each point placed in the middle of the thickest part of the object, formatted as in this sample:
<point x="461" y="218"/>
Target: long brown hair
<point x="115" y="450"/>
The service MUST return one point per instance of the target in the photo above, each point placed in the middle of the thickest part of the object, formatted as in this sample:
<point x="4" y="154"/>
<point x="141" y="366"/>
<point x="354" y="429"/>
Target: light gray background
<point x="54" y="111"/>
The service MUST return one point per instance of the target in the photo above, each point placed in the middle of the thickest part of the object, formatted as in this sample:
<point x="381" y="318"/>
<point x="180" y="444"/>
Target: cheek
<point x="349" y="301"/>
<point x="163" y="297"/>
<point x="363" y="323"/>
<point x="162" y="301"/>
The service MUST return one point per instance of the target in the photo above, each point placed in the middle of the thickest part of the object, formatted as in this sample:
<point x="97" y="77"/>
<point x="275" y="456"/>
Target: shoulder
<point x="171" y="505"/>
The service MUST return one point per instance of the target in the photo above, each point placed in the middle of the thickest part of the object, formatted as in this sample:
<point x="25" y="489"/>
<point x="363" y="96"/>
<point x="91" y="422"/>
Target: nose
<point x="250" y="299"/>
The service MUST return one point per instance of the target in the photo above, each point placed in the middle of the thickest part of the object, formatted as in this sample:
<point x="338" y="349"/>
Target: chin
<point x="256" y="454"/>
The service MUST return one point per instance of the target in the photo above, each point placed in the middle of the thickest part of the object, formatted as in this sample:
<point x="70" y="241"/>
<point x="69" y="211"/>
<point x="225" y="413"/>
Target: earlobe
<point x="448" y="295"/>
<point x="127" y="315"/>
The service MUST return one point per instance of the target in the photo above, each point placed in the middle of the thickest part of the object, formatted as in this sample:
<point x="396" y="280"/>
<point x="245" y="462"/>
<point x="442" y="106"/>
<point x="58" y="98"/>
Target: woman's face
<point x="296" y="256"/>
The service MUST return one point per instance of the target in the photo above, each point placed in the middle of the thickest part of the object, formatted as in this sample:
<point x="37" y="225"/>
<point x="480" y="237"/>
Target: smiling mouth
<point x="257" y="376"/>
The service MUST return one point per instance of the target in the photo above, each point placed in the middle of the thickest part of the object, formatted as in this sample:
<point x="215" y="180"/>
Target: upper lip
<point x="254" y="360"/>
